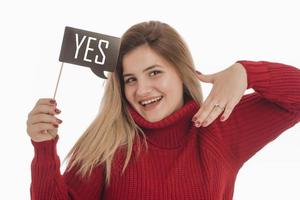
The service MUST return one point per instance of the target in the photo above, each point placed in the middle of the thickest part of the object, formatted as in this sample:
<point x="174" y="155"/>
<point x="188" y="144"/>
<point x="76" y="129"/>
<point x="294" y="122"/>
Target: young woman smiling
<point x="155" y="137"/>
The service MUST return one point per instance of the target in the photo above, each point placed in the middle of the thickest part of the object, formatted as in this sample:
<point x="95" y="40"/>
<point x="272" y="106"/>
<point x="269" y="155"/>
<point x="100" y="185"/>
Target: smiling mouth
<point x="150" y="102"/>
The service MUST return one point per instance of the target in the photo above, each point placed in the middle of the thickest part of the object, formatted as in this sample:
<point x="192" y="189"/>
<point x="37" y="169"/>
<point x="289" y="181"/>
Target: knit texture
<point x="184" y="162"/>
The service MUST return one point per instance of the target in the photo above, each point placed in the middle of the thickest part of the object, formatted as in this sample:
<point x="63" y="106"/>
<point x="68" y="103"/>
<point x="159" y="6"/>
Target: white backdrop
<point x="218" y="34"/>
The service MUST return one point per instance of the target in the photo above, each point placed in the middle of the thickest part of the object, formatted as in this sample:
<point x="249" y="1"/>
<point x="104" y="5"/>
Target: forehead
<point x="142" y="57"/>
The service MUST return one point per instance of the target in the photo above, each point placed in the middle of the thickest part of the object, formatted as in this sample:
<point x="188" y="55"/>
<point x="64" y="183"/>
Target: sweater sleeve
<point x="48" y="183"/>
<point x="262" y="116"/>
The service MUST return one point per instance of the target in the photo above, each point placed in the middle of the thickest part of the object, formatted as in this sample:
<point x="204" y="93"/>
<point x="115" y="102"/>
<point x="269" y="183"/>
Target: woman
<point x="154" y="137"/>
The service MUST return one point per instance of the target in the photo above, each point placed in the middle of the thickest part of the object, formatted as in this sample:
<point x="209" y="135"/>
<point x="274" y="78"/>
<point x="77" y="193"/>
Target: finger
<point x="216" y="111"/>
<point x="208" y="78"/>
<point x="44" y="118"/>
<point x="53" y="135"/>
<point x="204" y="112"/>
<point x="205" y="108"/>
<point x="46" y="101"/>
<point x="228" y="110"/>
<point x="204" y="116"/>
<point x="46" y="109"/>
<point x="41" y="127"/>
<point x="201" y="110"/>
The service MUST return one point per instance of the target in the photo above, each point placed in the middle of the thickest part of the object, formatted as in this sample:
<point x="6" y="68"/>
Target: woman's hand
<point x="41" y="123"/>
<point x="229" y="86"/>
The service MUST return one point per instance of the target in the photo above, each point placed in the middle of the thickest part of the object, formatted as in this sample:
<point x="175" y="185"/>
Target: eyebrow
<point x="147" y="69"/>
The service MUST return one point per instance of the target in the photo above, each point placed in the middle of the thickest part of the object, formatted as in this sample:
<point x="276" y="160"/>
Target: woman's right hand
<point x="42" y="125"/>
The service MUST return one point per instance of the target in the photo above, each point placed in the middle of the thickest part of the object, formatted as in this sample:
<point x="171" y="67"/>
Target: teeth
<point x="150" y="101"/>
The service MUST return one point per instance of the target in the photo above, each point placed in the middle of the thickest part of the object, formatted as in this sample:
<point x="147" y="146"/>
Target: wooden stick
<point x="57" y="82"/>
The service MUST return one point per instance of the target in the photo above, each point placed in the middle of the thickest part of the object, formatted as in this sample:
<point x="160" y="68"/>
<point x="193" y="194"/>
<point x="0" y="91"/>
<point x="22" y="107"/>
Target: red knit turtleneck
<point x="184" y="162"/>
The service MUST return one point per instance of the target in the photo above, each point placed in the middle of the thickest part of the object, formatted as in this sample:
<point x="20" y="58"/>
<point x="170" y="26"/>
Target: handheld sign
<point x="94" y="50"/>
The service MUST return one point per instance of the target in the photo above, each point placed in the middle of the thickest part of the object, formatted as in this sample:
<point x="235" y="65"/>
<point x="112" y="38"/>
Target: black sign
<point x="94" y="50"/>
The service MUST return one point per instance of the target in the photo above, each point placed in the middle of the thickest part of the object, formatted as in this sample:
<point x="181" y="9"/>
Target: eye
<point x="155" y="72"/>
<point x="129" y="80"/>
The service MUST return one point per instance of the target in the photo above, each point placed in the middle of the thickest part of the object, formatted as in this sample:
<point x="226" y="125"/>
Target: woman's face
<point x="152" y="86"/>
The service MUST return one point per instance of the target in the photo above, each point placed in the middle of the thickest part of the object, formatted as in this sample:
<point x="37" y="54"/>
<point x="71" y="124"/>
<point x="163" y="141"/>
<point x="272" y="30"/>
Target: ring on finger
<point x="218" y="105"/>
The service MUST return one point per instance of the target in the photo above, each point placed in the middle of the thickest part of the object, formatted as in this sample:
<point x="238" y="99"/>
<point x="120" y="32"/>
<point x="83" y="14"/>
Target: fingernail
<point x="59" y="121"/>
<point x="57" y="110"/>
<point x="194" y="118"/>
<point x="52" y="101"/>
<point x="222" y="118"/>
<point x="197" y="124"/>
<point x="198" y="72"/>
<point x="204" y="123"/>
<point x="55" y="125"/>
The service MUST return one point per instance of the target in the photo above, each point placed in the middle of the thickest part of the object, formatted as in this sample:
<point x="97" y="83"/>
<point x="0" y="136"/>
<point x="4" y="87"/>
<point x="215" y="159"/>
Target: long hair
<point x="113" y="129"/>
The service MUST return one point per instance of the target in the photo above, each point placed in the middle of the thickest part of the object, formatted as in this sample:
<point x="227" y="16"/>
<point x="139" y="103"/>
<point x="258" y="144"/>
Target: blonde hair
<point x="113" y="129"/>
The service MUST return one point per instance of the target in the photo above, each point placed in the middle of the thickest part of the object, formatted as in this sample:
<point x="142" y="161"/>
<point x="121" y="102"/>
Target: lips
<point x="150" y="101"/>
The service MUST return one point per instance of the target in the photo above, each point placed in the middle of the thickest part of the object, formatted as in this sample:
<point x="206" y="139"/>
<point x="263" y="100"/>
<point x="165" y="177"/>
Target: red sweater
<point x="184" y="162"/>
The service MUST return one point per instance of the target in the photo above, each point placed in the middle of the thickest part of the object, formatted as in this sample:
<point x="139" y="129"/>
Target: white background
<point x="218" y="34"/>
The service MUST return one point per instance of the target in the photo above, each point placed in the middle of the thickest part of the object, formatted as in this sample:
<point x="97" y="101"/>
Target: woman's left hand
<point x="228" y="88"/>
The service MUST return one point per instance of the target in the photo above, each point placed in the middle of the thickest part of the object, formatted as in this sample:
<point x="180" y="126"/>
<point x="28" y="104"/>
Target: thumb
<point x="204" y="78"/>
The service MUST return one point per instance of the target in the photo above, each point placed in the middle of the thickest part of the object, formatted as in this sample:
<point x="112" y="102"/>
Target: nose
<point x="144" y="88"/>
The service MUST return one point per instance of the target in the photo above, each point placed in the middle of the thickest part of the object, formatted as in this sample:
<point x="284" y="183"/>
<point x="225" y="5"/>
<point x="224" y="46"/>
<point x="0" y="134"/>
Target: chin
<point x="154" y="118"/>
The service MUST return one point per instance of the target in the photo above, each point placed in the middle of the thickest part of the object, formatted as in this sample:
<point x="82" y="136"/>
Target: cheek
<point x="128" y="94"/>
<point x="170" y="85"/>
<point x="163" y="86"/>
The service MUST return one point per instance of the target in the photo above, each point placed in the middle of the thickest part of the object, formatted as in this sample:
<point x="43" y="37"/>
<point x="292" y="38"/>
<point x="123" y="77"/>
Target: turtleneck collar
<point x="171" y="131"/>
